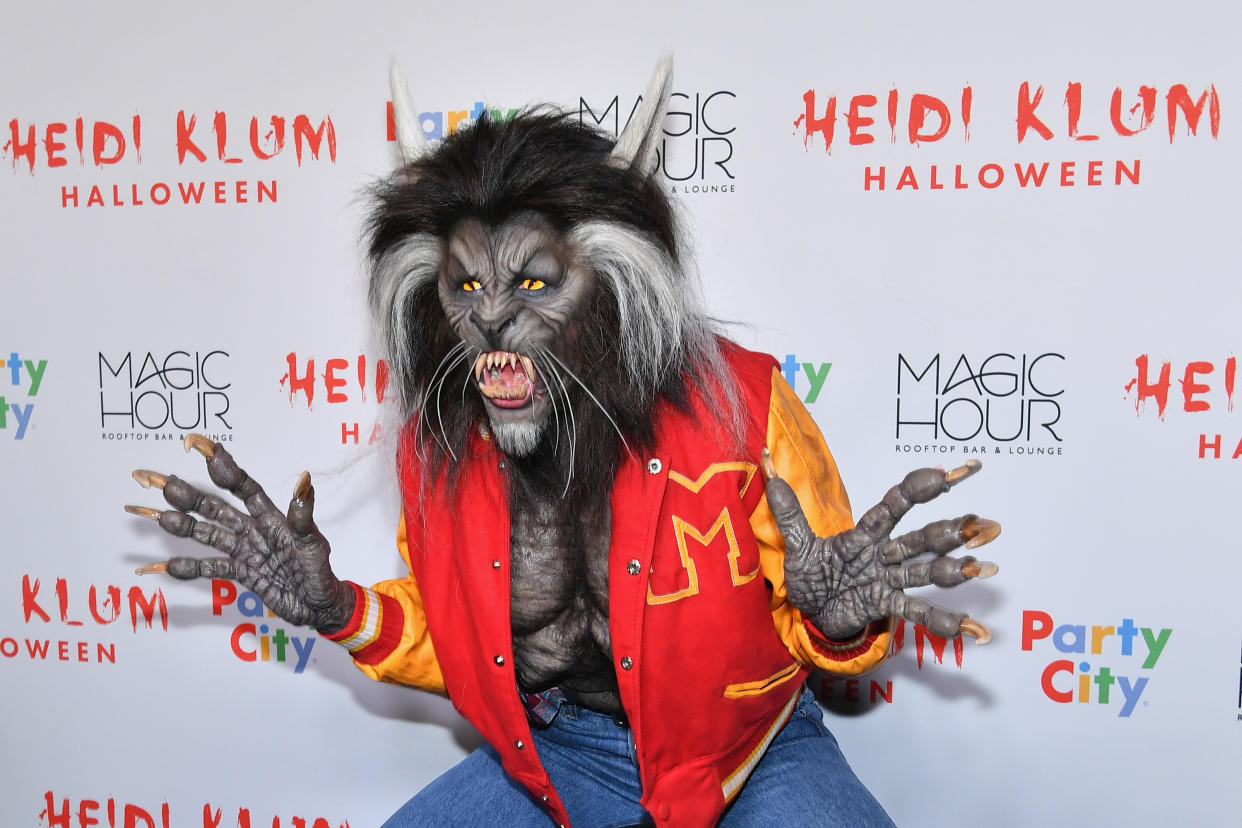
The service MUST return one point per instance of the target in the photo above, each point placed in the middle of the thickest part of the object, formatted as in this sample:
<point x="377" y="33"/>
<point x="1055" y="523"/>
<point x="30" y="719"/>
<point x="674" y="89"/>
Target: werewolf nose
<point x="491" y="328"/>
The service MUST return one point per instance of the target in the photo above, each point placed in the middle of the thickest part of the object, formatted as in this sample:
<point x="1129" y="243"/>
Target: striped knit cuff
<point x="374" y="630"/>
<point x="845" y="650"/>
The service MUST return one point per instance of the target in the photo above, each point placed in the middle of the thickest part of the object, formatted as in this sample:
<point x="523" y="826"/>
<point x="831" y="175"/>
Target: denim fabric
<point x="802" y="780"/>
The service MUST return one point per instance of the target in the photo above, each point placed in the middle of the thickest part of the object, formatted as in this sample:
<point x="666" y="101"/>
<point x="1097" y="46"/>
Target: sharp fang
<point x="528" y="366"/>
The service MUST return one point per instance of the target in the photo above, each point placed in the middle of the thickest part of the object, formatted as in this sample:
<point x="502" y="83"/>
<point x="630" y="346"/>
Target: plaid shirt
<point x="541" y="708"/>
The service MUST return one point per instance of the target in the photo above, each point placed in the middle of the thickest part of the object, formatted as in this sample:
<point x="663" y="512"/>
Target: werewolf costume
<point x="597" y="581"/>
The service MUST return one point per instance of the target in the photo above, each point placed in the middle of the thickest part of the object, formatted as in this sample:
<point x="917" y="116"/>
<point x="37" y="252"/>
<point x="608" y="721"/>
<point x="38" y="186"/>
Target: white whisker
<point x="594" y="399"/>
<point x="569" y="410"/>
<point x="447" y="363"/>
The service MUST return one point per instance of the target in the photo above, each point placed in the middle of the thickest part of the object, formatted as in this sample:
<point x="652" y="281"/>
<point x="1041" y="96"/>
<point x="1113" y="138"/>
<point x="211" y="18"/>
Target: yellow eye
<point x="471" y="286"/>
<point x="532" y="284"/>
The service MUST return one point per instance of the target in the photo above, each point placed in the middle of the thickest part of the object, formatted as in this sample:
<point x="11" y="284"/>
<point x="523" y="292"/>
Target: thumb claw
<point x="765" y="462"/>
<point x="971" y="627"/>
<point x="151" y="569"/>
<point x="302" y="489"/>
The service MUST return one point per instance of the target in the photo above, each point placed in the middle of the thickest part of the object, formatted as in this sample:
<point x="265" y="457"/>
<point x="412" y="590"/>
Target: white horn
<point x="636" y="146"/>
<point x="410" y="138"/>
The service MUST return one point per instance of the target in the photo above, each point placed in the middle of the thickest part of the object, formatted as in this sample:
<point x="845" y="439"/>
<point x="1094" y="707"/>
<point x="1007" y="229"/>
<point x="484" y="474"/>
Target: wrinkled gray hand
<point x="845" y="581"/>
<point x="280" y="556"/>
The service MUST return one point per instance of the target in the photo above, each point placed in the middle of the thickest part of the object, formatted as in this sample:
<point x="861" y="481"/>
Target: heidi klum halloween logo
<point x="695" y="153"/>
<point x="1198" y="393"/>
<point x="220" y="157"/>
<point x="980" y="403"/>
<point x="74" y="622"/>
<point x="163" y="395"/>
<point x="1098" y="130"/>
<point x="348" y="386"/>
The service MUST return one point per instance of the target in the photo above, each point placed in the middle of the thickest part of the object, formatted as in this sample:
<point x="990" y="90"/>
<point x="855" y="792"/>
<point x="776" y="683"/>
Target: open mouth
<point x="505" y="379"/>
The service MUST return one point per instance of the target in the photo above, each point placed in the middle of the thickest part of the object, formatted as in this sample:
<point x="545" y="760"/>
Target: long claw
<point x="765" y="461"/>
<point x="151" y="569"/>
<point x="302" y="489"/>
<point x="144" y="511"/>
<point x="147" y="478"/>
<point x="980" y="569"/>
<point x="971" y="627"/>
<point x="200" y="444"/>
<point x="978" y="531"/>
<point x="962" y="472"/>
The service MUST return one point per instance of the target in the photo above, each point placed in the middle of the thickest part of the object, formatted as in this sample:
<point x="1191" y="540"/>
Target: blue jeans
<point x="802" y="780"/>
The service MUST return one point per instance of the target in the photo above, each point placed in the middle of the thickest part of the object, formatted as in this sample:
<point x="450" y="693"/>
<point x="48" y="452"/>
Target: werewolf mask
<point x="526" y="276"/>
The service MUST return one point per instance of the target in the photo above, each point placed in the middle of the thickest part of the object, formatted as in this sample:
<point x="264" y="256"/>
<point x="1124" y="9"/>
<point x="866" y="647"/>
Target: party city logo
<point x="259" y="639"/>
<point x="695" y="151"/>
<point x="806" y="378"/>
<point x="20" y="380"/>
<point x="1098" y="655"/>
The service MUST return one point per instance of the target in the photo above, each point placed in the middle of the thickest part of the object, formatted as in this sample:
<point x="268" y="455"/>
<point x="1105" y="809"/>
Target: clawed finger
<point x="187" y="569"/>
<point x="184" y="526"/>
<point x="186" y="498"/>
<point x="941" y="572"/>
<point x="226" y="474"/>
<point x="940" y="621"/>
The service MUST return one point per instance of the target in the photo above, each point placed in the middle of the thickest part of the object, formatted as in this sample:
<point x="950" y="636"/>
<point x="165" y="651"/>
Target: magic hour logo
<point x="695" y="152"/>
<point x="980" y="403"/>
<point x="163" y="395"/>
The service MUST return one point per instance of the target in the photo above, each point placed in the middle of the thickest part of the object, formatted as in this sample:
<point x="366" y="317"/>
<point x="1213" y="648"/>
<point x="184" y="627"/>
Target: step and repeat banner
<point x="966" y="231"/>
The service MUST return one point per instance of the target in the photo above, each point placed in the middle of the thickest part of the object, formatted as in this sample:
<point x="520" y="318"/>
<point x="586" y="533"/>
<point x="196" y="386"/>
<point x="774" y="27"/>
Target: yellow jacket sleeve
<point x="802" y="458"/>
<point x="387" y="634"/>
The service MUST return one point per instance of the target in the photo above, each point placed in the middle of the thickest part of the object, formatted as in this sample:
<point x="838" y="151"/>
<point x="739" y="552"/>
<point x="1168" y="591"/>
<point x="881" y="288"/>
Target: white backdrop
<point x="905" y="276"/>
